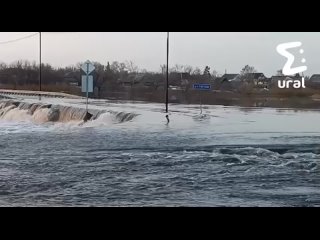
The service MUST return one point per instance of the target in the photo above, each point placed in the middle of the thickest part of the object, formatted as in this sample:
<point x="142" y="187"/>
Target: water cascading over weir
<point x="39" y="112"/>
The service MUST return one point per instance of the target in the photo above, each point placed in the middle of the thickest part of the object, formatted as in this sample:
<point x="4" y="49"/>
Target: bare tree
<point x="247" y="74"/>
<point x="122" y="67"/>
<point x="3" y="66"/>
<point x="248" y="69"/>
<point x="214" y="74"/>
<point x="196" y="71"/>
<point x="115" y="66"/>
<point x="131" y="67"/>
<point x="177" y="68"/>
<point x="78" y="65"/>
<point x="163" y="68"/>
<point x="187" y="69"/>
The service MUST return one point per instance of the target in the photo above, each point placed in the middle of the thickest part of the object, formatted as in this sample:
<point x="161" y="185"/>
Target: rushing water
<point x="230" y="157"/>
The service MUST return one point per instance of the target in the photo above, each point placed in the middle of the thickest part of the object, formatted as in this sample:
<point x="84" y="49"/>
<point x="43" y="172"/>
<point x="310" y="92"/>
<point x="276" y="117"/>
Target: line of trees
<point x="125" y="80"/>
<point x="24" y="74"/>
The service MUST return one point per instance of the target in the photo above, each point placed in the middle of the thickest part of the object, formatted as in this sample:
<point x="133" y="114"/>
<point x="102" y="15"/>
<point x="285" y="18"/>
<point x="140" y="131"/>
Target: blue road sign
<point x="202" y="86"/>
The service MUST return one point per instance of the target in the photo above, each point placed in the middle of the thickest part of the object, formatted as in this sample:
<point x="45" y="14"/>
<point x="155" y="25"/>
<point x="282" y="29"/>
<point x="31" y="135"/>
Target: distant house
<point x="258" y="79"/>
<point x="315" y="79"/>
<point x="71" y="79"/>
<point x="275" y="79"/>
<point x="142" y="80"/>
<point x="227" y="82"/>
<point x="229" y="77"/>
<point x="147" y="81"/>
<point x="178" y="79"/>
<point x="130" y="80"/>
<point x="230" y="82"/>
<point x="261" y="81"/>
<point x="257" y="76"/>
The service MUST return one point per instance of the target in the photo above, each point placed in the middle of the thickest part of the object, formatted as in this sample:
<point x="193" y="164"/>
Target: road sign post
<point x="200" y="103"/>
<point x="202" y="87"/>
<point x="88" y="68"/>
<point x="87" y="86"/>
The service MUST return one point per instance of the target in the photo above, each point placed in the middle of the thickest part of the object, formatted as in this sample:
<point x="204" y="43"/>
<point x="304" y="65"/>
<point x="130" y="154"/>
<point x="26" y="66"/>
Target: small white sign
<point x="88" y="67"/>
<point x="84" y="84"/>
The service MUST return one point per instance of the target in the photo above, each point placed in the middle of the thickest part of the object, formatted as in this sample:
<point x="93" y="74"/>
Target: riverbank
<point x="303" y="99"/>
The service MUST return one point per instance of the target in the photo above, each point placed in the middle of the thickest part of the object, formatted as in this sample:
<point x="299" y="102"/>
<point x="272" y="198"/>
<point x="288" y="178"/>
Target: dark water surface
<point x="232" y="157"/>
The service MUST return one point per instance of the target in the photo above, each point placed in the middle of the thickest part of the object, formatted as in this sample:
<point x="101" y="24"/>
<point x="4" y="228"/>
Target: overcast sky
<point x="220" y="51"/>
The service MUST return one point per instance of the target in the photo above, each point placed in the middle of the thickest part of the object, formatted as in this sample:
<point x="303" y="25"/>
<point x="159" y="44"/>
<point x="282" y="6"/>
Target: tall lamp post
<point x="167" y="92"/>
<point x="40" y="67"/>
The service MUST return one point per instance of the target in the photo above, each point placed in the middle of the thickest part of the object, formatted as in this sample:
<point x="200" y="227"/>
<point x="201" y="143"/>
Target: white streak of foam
<point x="105" y="119"/>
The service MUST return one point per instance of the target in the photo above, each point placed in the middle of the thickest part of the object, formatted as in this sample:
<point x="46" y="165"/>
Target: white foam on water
<point x="14" y="114"/>
<point x="51" y="117"/>
<point x="260" y="123"/>
<point x="41" y="115"/>
<point x="104" y="120"/>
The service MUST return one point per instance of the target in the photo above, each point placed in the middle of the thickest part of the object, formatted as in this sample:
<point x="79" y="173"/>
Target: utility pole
<point x="167" y="92"/>
<point x="40" y="67"/>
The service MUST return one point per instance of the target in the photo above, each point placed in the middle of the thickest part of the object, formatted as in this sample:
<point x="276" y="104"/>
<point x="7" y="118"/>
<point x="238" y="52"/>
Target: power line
<point x="19" y="39"/>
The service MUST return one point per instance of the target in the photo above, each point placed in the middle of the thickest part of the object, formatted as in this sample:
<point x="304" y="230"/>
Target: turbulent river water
<point x="128" y="155"/>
